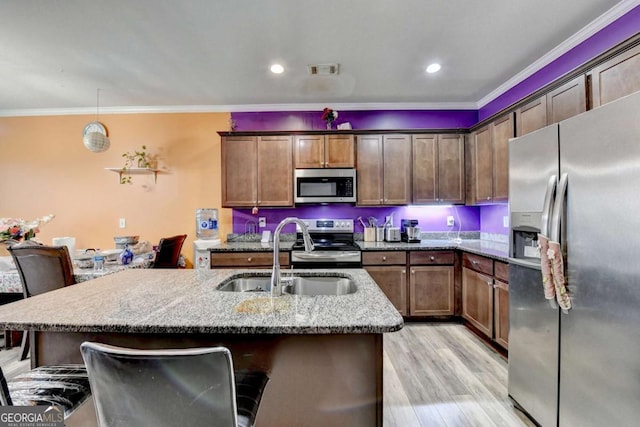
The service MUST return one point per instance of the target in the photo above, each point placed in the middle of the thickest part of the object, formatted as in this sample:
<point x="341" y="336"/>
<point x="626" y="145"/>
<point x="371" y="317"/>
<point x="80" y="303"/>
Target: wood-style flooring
<point x="435" y="374"/>
<point x="441" y="374"/>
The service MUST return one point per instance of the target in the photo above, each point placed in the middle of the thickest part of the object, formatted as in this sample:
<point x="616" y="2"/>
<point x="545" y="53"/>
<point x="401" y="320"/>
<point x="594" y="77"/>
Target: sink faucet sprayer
<point x="276" y="282"/>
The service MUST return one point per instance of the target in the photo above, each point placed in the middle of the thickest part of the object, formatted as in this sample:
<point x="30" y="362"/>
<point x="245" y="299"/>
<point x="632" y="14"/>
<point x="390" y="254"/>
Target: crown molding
<point x="592" y="28"/>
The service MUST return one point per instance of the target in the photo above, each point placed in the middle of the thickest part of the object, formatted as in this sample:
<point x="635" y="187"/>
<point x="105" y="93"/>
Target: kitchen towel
<point x="545" y="266"/>
<point x="557" y="272"/>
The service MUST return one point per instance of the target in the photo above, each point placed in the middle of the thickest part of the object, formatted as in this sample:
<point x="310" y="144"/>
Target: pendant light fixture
<point x="94" y="135"/>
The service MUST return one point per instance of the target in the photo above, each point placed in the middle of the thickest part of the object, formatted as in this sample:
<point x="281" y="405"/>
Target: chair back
<point x="42" y="268"/>
<point x="168" y="253"/>
<point x="190" y="387"/>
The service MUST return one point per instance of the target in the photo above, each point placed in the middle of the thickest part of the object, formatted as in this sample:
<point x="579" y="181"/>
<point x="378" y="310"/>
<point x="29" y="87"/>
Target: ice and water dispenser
<point x="525" y="227"/>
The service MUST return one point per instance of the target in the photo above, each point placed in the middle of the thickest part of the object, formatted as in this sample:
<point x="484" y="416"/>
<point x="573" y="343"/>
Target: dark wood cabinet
<point x="438" y="169"/>
<point x="488" y="162"/>
<point x="388" y="269"/>
<point x="616" y="77"/>
<point x="501" y="303"/>
<point x="324" y="151"/>
<point x="477" y="300"/>
<point x="566" y="101"/>
<point x="384" y="169"/>
<point x="431" y="283"/>
<point x="532" y="116"/>
<point x="250" y="166"/>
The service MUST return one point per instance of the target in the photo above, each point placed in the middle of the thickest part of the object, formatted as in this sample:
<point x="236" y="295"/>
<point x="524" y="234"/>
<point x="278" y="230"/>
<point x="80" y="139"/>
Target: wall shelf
<point x="135" y="171"/>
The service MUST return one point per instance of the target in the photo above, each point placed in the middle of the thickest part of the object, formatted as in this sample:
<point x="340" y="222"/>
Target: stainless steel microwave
<point x="325" y="186"/>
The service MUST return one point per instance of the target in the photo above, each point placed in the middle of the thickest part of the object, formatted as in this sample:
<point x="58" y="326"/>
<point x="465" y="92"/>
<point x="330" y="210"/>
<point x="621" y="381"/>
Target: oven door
<point x="325" y="186"/>
<point x="326" y="259"/>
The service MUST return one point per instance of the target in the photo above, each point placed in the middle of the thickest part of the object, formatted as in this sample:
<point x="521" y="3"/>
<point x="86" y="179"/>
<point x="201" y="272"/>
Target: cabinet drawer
<point x="384" y="258"/>
<point x="431" y="257"/>
<point x="501" y="271"/>
<point x="246" y="259"/>
<point x="478" y="263"/>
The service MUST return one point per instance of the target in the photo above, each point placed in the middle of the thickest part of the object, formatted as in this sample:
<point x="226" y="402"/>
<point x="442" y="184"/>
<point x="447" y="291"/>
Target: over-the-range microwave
<point x="325" y="186"/>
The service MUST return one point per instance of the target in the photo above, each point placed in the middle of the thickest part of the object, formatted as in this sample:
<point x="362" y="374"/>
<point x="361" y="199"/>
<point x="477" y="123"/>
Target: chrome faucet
<point x="276" y="280"/>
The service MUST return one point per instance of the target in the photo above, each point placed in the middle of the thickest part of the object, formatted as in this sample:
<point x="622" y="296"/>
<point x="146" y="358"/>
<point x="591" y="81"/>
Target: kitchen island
<point x="323" y="354"/>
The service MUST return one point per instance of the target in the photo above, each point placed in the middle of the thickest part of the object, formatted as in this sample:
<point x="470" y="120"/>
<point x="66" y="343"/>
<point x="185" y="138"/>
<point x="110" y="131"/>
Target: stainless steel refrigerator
<point x="579" y="180"/>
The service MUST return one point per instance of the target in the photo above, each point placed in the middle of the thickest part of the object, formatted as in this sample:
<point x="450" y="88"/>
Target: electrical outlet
<point x="505" y="221"/>
<point x="123" y="223"/>
<point x="450" y="221"/>
<point x="262" y="222"/>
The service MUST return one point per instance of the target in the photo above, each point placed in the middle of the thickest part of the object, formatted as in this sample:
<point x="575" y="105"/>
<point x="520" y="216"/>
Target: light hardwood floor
<point x="441" y="374"/>
<point x="435" y="374"/>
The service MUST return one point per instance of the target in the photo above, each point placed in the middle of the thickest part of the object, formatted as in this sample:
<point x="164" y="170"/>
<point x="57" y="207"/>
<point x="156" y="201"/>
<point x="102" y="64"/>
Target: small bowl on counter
<point x="84" y="259"/>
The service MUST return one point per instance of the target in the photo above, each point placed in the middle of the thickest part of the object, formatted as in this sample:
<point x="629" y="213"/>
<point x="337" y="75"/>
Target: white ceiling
<point x="214" y="55"/>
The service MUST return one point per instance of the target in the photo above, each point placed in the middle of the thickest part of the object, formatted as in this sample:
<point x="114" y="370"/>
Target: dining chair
<point x="41" y="269"/>
<point x="170" y="387"/>
<point x="63" y="385"/>
<point x="168" y="253"/>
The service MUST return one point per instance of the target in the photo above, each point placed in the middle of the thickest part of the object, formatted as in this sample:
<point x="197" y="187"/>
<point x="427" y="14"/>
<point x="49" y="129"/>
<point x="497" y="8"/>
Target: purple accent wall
<point x="431" y="218"/>
<point x="618" y="31"/>
<point x="369" y="120"/>
<point x="491" y="219"/>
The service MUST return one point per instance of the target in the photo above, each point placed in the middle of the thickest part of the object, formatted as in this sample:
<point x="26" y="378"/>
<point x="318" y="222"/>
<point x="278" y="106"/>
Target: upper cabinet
<point x="561" y="103"/>
<point x="488" y="162"/>
<point x="616" y="77"/>
<point x="250" y="167"/>
<point x="324" y="151"/>
<point x="384" y="169"/>
<point x="438" y="169"/>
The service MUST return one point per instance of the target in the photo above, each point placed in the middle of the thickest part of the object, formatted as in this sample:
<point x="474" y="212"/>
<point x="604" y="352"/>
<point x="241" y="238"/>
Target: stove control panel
<point x="328" y="225"/>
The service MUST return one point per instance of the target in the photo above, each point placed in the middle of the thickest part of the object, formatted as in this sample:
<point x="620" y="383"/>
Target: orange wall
<point x="45" y="168"/>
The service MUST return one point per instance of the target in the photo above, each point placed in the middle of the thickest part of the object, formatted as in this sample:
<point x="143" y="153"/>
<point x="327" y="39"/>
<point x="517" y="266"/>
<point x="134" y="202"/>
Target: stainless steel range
<point x="335" y="246"/>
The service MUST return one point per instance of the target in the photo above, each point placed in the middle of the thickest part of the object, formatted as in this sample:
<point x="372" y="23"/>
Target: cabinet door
<point x="567" y="101"/>
<point x="425" y="168"/>
<point x="397" y="170"/>
<point x="532" y="116"/>
<point x="451" y="169"/>
<point x="275" y="171"/>
<point x="369" y="169"/>
<point x="431" y="291"/>
<point x="247" y="259"/>
<point x="502" y="131"/>
<point x="239" y="172"/>
<point x="339" y="151"/>
<point x="477" y="300"/>
<point x="501" y="307"/>
<point x="481" y="182"/>
<point x="309" y="151"/>
<point x="393" y="282"/>
<point x="615" y="78"/>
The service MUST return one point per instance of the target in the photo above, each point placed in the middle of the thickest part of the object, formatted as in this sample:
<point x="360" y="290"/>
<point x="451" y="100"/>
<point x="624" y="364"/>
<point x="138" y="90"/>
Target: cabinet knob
<point x="432" y="258"/>
<point x="413" y="272"/>
<point x="326" y="164"/>
<point x="404" y="272"/>
<point x="474" y="262"/>
<point x="381" y="200"/>
<point x="488" y="198"/>
<point x="384" y="258"/>
<point x="249" y="259"/>
<point x="321" y="164"/>
<point x="490" y="283"/>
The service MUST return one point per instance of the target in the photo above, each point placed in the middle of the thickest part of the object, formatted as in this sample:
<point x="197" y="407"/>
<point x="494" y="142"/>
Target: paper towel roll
<point x="69" y="242"/>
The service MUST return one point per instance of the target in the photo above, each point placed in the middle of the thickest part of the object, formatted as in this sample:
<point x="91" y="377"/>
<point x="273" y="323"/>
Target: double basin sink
<point x="298" y="285"/>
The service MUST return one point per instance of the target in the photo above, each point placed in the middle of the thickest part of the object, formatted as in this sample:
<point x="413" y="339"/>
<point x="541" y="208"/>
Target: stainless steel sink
<point x="299" y="285"/>
<point x="319" y="285"/>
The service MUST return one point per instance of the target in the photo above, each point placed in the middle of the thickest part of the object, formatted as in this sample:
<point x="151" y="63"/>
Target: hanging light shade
<point x="96" y="142"/>
<point x="94" y="135"/>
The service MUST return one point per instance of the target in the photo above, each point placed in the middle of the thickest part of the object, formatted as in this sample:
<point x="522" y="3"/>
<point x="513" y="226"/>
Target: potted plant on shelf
<point x="134" y="159"/>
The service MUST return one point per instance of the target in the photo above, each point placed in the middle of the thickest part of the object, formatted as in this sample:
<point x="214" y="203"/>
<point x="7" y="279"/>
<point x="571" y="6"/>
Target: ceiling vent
<point x="324" y="69"/>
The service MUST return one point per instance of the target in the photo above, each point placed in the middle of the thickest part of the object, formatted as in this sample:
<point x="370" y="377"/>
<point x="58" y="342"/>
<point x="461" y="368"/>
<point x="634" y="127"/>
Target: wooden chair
<point x="170" y="387"/>
<point x="63" y="385"/>
<point x="42" y="269"/>
<point x="168" y="253"/>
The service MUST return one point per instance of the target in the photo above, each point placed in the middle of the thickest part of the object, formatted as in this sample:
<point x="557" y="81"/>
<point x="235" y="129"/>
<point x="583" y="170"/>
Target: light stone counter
<point x="186" y="301"/>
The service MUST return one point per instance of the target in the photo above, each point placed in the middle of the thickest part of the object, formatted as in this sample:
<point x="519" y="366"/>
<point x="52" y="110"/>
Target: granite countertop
<point x="491" y="249"/>
<point x="186" y="301"/>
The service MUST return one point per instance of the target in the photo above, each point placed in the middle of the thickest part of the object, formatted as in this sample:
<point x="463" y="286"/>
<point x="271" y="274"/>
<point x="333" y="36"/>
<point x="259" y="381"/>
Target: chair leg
<point x="24" y="347"/>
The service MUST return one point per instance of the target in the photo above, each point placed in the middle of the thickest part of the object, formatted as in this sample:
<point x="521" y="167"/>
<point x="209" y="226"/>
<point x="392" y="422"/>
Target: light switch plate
<point x="450" y="221"/>
<point x="122" y="223"/>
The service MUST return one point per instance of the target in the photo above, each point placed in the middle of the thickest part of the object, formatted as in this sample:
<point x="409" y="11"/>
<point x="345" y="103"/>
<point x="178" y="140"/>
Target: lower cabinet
<point x="485" y="296"/>
<point x="431" y="283"/>
<point x="389" y="270"/>
<point x="247" y="259"/>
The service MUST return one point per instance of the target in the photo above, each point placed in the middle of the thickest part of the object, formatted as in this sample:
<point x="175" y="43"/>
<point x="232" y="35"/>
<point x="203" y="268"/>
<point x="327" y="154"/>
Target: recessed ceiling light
<point x="433" y="68"/>
<point x="277" y="69"/>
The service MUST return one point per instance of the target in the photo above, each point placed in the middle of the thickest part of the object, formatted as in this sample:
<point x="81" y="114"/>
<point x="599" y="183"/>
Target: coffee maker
<point x="409" y="231"/>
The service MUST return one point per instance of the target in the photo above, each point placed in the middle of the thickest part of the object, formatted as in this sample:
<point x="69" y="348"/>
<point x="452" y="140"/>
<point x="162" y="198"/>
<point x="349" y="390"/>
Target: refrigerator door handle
<point x="547" y="205"/>
<point x="558" y="208"/>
